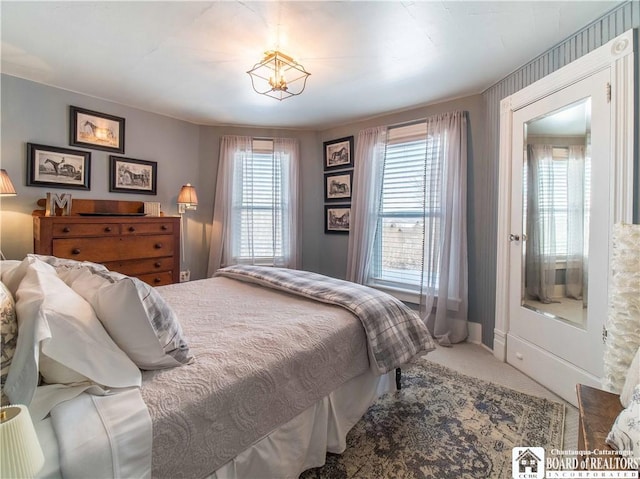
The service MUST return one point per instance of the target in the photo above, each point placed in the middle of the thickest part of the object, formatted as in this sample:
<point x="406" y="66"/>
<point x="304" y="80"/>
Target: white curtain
<point x="234" y="150"/>
<point x="540" y="255"/>
<point x="288" y="151"/>
<point x="445" y="233"/>
<point x="365" y="201"/>
<point x="576" y="232"/>
<point x="443" y="303"/>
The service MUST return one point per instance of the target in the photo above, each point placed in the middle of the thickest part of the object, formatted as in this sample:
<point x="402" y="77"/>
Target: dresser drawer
<point x="157" y="279"/>
<point x="87" y="249"/>
<point x="142" y="266"/>
<point x="152" y="246"/>
<point x="72" y="230"/>
<point x="147" y="228"/>
<point x="104" y="249"/>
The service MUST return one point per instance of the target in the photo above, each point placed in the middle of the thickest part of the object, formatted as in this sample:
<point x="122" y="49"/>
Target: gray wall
<point x="35" y="113"/>
<point x="186" y="153"/>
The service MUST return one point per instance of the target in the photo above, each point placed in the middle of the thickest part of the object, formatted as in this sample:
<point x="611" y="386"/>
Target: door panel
<point x="558" y="292"/>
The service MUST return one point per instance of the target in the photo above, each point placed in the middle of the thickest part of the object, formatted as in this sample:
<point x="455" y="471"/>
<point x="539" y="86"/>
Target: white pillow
<point x="134" y="314"/>
<point x="625" y="433"/>
<point x="13" y="272"/>
<point x="57" y="322"/>
<point x="631" y="381"/>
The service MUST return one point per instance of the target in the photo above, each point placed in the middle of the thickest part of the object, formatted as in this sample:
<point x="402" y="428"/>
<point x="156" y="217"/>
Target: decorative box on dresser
<point x="115" y="234"/>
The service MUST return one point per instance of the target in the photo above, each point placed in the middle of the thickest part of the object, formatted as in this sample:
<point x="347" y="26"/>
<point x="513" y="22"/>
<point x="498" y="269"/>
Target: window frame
<point x="408" y="291"/>
<point x="262" y="149"/>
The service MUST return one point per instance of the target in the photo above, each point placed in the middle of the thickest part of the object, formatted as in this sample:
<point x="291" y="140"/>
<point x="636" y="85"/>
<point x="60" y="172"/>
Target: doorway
<point x="566" y="146"/>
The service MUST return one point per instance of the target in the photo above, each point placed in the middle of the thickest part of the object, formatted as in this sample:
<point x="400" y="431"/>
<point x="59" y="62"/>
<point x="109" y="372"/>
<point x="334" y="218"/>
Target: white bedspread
<point x="261" y="358"/>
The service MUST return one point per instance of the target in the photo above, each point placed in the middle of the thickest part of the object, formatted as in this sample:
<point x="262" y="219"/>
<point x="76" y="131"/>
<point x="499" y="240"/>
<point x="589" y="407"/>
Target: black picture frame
<point x="337" y="186"/>
<point x="337" y="219"/>
<point x="55" y="167"/>
<point x="338" y="154"/>
<point x="99" y="131"/>
<point x="128" y="175"/>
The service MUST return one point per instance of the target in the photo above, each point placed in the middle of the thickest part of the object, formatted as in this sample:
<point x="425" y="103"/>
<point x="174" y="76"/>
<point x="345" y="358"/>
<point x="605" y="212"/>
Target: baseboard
<point x="475" y="333"/>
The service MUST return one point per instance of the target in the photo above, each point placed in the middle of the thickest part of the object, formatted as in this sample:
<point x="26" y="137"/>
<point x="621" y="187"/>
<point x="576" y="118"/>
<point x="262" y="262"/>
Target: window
<point x="409" y="198"/>
<point x="260" y="202"/>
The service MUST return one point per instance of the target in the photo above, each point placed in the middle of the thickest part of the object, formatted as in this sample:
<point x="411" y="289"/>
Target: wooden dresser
<point x="597" y="411"/>
<point x="113" y="233"/>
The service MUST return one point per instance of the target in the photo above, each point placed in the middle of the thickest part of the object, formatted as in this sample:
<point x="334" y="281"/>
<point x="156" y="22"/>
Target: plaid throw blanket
<point x="394" y="332"/>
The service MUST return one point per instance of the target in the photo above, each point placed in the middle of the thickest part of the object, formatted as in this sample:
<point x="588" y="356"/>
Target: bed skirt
<point x="298" y="445"/>
<point x="302" y="443"/>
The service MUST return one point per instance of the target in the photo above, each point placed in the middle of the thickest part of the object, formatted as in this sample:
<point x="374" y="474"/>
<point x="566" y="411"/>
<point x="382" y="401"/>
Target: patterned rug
<point x="441" y="425"/>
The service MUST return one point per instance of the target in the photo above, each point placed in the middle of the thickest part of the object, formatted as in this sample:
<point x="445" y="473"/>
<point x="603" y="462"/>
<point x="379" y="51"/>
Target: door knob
<point x="513" y="237"/>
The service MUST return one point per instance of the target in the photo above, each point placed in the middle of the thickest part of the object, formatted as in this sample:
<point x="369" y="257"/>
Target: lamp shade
<point x="6" y="187"/>
<point x="20" y="451"/>
<point x="187" y="196"/>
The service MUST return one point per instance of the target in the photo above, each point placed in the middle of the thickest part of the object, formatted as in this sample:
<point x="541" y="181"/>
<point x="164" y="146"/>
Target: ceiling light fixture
<point x="278" y="76"/>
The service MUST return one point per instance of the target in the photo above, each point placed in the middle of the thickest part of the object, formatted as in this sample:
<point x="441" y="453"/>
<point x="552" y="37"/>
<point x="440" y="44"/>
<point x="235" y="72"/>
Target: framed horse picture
<point x="132" y="176"/>
<point x="338" y="153"/>
<point x="55" y="167"/>
<point x="337" y="186"/>
<point x="96" y="130"/>
<point x="337" y="219"/>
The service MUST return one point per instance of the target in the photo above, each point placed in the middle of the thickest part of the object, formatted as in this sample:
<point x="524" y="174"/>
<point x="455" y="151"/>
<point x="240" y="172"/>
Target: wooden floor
<point x="477" y="361"/>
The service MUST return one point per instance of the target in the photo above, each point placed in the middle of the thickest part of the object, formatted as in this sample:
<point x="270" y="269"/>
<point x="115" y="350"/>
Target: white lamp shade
<point x="21" y="454"/>
<point x="188" y="196"/>
<point x="6" y="187"/>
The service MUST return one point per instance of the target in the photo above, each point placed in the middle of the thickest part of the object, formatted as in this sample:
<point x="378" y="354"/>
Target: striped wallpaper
<point x="624" y="17"/>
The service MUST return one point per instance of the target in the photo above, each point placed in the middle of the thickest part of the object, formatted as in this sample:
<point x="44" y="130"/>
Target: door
<point x="560" y="219"/>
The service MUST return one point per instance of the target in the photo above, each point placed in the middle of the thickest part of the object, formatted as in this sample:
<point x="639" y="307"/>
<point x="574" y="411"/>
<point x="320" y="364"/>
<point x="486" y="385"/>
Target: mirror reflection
<point x="556" y="188"/>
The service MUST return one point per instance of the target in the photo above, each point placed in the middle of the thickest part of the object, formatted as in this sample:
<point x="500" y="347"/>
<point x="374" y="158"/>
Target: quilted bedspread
<point x="261" y="358"/>
<point x="394" y="332"/>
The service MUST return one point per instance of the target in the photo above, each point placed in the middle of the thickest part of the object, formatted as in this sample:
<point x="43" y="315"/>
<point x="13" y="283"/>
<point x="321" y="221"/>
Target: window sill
<point x="413" y="297"/>
<point x="404" y="295"/>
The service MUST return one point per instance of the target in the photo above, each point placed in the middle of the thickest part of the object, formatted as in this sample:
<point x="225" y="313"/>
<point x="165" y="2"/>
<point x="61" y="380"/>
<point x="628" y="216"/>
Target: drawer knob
<point x="157" y="245"/>
<point x="157" y="280"/>
<point x="75" y="251"/>
<point x="132" y="228"/>
<point x="107" y="229"/>
<point x="157" y="264"/>
<point x="66" y="229"/>
<point x="164" y="227"/>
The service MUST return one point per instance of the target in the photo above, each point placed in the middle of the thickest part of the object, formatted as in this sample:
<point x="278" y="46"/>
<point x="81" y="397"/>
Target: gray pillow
<point x="9" y="330"/>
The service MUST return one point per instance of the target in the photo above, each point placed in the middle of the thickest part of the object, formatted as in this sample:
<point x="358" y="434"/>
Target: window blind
<point x="258" y="204"/>
<point x="409" y="197"/>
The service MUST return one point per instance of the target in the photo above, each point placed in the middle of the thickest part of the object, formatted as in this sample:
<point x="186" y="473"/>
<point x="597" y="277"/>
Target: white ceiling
<point x="188" y="60"/>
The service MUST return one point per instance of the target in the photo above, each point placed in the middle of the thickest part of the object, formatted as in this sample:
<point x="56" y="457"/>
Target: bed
<point x="267" y="370"/>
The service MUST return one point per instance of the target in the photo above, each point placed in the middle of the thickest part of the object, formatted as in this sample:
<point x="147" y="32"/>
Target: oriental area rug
<point x="441" y="425"/>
